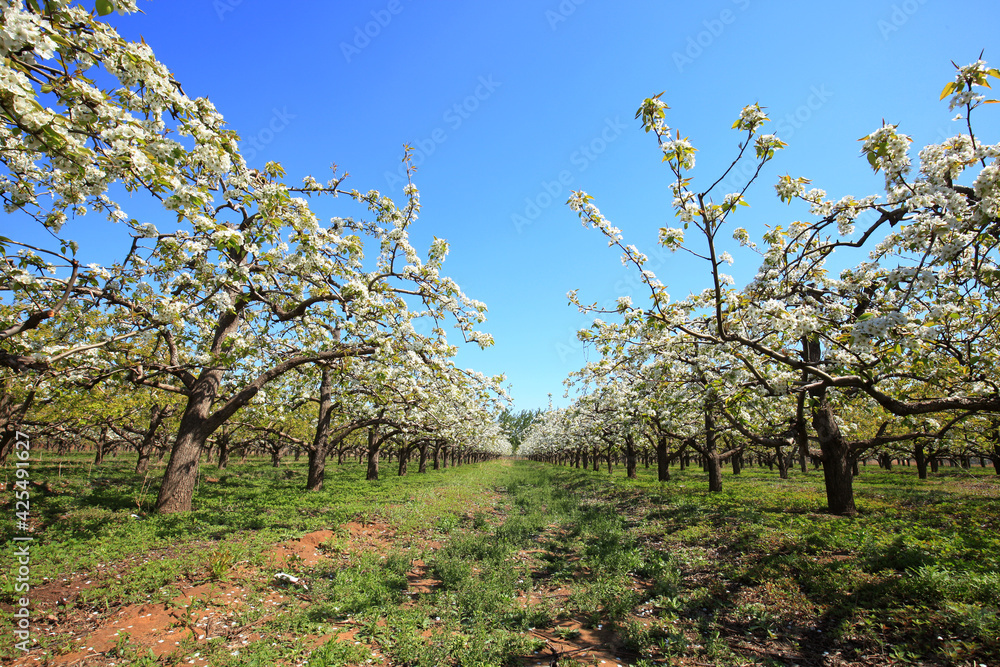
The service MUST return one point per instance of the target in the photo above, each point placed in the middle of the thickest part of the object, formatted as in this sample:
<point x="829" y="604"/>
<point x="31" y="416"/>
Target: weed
<point x="187" y="617"/>
<point x="335" y="653"/>
<point x="453" y="572"/>
<point x="140" y="495"/>
<point x="566" y="633"/>
<point x="218" y="563"/>
<point x="294" y="562"/>
<point x="124" y="649"/>
<point x="635" y="636"/>
<point x="447" y="523"/>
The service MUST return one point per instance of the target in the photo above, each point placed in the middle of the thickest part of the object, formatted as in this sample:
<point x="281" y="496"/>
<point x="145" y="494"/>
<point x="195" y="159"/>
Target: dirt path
<point x="219" y="620"/>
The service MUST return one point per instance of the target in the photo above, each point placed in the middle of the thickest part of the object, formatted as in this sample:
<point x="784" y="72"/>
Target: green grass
<point x="756" y="574"/>
<point x="916" y="572"/>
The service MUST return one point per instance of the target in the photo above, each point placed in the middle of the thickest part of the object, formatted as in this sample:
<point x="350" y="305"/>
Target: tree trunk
<point x="317" y="470"/>
<point x="179" y="478"/>
<point x="177" y="487"/>
<point x="7" y="439"/>
<point x="836" y="461"/>
<point x="712" y="454"/>
<point x="373" y="446"/>
<point x="224" y="439"/>
<point x="156" y="415"/>
<point x="404" y="457"/>
<point x="321" y="439"/>
<point x="779" y="455"/>
<point x="801" y="430"/>
<point x="101" y="442"/>
<point x="11" y="415"/>
<point x="630" y="461"/>
<point x="921" y="458"/>
<point x="423" y="458"/>
<point x="662" y="463"/>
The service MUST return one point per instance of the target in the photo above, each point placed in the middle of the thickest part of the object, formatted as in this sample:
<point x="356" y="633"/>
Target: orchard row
<point x="869" y="330"/>
<point x="238" y="320"/>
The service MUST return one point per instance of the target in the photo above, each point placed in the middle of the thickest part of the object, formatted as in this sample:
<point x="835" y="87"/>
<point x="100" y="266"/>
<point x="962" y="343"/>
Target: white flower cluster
<point x="877" y="327"/>
<point x="766" y="144"/>
<point x="751" y="117"/>
<point x="671" y="237"/>
<point x="679" y="151"/>
<point x="887" y="149"/>
<point x="788" y="188"/>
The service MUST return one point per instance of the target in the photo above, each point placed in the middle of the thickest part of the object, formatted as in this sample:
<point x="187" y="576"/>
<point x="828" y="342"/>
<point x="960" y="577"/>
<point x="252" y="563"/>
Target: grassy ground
<point x="508" y="563"/>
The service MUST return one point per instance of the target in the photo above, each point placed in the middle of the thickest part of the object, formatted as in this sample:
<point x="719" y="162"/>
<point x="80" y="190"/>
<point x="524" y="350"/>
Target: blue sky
<point x="511" y="105"/>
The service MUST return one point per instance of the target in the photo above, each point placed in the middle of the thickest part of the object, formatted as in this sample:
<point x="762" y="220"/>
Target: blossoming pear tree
<point x="236" y="284"/>
<point x="911" y="325"/>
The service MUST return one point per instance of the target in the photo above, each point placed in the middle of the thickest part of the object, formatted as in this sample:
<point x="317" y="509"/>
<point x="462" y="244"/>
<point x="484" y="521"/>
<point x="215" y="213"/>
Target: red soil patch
<point x="201" y="612"/>
<point x="418" y="581"/>
<point x="303" y="551"/>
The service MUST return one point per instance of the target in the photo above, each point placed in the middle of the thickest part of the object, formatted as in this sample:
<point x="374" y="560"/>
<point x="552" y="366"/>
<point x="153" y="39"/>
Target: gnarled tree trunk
<point x="662" y="460"/>
<point x="374" y="444"/>
<point x="837" y="472"/>
<point x="321" y="439"/>
<point x="156" y="415"/>
<point x="630" y="461"/>
<point x="712" y="454"/>
<point x="179" y="478"/>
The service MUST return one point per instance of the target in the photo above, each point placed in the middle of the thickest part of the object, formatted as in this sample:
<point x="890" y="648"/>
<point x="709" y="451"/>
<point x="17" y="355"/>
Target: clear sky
<point x="510" y="105"/>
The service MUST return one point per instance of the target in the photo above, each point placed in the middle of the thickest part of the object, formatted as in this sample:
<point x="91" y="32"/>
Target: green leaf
<point x="947" y="90"/>
<point x="105" y="7"/>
